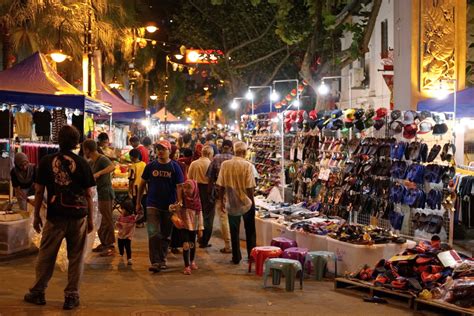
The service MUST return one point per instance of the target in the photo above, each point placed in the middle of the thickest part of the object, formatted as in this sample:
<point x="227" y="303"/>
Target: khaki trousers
<point x="54" y="231"/>
<point x="106" y="229"/>
<point x="224" y="219"/>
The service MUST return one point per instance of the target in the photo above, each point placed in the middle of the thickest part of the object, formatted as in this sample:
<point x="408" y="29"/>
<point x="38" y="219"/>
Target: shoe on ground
<point x="194" y="266"/>
<point x="99" y="248"/>
<point x="108" y="252"/>
<point x="205" y="246"/>
<point x="163" y="266"/>
<point x="129" y="262"/>
<point x="35" y="298"/>
<point x="225" y="250"/>
<point x="155" y="268"/>
<point x="235" y="262"/>
<point x="187" y="271"/>
<point x="71" y="302"/>
<point x="175" y="251"/>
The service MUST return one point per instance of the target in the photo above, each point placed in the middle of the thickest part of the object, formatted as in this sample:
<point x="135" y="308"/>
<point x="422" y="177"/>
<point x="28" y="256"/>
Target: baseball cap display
<point x="379" y="124"/>
<point x="425" y="127"/>
<point x="395" y="115"/>
<point x="396" y="127"/>
<point x="409" y="117"/>
<point x="380" y="113"/>
<point x="409" y="131"/>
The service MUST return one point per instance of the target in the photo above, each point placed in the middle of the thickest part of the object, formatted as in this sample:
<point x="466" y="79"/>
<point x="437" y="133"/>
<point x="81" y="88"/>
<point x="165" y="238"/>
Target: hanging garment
<point x="5" y="118"/>
<point x="78" y="122"/>
<point x="59" y="120"/>
<point x="42" y="120"/>
<point x="23" y="124"/>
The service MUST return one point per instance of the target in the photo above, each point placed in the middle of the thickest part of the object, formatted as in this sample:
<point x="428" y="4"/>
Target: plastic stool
<point x="260" y="254"/>
<point x="289" y="268"/>
<point x="295" y="253"/>
<point x="319" y="260"/>
<point x="283" y="243"/>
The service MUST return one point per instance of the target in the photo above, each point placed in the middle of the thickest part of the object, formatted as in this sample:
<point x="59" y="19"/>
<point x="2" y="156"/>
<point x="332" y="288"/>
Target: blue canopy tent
<point x="121" y="110"/>
<point x="464" y="104"/>
<point x="33" y="81"/>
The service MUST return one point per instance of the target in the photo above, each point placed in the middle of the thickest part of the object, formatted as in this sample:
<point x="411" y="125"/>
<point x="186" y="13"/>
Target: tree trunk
<point x="7" y="48"/>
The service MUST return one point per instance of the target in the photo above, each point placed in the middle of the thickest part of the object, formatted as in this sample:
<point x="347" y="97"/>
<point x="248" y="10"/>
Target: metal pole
<point x="350" y="90"/>
<point x="282" y="136"/>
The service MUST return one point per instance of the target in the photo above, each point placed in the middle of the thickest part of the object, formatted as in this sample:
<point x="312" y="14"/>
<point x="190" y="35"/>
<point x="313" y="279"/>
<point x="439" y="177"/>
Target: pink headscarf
<point x="194" y="201"/>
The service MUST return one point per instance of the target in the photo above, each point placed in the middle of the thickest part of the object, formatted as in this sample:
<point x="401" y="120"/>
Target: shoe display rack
<point x="265" y="154"/>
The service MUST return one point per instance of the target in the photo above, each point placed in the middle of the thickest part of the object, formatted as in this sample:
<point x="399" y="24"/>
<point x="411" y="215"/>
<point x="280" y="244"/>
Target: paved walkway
<point x="110" y="287"/>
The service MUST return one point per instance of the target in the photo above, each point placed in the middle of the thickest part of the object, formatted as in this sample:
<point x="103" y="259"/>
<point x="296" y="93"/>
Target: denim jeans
<point x="159" y="227"/>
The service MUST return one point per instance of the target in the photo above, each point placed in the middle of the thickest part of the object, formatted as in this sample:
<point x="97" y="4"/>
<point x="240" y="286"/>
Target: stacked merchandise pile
<point x="431" y="270"/>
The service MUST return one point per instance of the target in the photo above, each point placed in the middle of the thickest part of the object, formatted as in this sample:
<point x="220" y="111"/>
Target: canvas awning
<point x="464" y="104"/>
<point x="121" y="110"/>
<point x="160" y="115"/>
<point x="33" y="81"/>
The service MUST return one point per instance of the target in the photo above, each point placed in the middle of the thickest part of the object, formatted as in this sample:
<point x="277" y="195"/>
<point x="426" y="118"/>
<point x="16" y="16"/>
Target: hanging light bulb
<point x="249" y="95"/>
<point x="234" y="105"/>
<point x="153" y="97"/>
<point x="58" y="56"/>
<point x="274" y="96"/>
<point x="114" y="84"/>
<point x="151" y="27"/>
<point x="323" y="89"/>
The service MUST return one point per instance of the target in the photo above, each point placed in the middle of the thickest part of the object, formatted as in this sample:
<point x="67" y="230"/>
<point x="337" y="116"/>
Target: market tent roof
<point x="170" y="118"/>
<point x="464" y="104"/>
<point x="33" y="81"/>
<point x="121" y="110"/>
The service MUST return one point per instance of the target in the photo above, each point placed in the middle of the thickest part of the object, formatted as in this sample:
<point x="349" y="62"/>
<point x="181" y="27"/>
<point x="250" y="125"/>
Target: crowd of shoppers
<point x="175" y="190"/>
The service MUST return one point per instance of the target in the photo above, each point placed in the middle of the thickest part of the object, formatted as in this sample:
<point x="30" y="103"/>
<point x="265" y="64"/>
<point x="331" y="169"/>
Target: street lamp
<point x="178" y="56"/>
<point x="114" y="84"/>
<point x="57" y="55"/>
<point x="323" y="89"/>
<point x="250" y="95"/>
<point x="297" y="101"/>
<point x="151" y="27"/>
<point x="235" y="105"/>
<point x="153" y="97"/>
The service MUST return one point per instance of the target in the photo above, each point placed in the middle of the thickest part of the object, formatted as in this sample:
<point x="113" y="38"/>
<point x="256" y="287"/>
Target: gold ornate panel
<point x="438" y="43"/>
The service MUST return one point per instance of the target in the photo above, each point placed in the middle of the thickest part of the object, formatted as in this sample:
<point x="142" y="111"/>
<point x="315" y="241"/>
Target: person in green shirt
<point x="102" y="168"/>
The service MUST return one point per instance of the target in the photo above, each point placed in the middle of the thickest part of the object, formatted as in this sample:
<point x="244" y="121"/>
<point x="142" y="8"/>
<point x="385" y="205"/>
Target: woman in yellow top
<point x="134" y="176"/>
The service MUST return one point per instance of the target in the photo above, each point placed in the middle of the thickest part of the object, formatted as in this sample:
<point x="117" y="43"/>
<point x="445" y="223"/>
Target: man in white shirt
<point x="197" y="171"/>
<point x="236" y="177"/>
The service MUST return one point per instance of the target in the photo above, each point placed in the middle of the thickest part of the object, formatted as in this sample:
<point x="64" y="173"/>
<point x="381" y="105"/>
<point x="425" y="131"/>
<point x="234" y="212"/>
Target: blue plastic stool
<point x="289" y="268"/>
<point x="319" y="260"/>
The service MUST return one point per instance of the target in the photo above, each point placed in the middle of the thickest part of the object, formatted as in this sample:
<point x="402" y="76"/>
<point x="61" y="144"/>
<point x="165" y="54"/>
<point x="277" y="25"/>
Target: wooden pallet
<point x="343" y="283"/>
<point x="447" y="307"/>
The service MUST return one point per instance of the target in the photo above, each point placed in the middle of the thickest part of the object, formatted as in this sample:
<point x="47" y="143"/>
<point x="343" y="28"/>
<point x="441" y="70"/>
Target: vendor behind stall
<point x="22" y="177"/>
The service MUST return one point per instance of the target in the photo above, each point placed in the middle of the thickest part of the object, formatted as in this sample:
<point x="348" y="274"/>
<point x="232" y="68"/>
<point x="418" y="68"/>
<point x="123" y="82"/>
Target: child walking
<point x="126" y="229"/>
<point x="190" y="223"/>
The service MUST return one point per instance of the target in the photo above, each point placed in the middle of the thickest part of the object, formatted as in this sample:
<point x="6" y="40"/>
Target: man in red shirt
<point x="135" y="142"/>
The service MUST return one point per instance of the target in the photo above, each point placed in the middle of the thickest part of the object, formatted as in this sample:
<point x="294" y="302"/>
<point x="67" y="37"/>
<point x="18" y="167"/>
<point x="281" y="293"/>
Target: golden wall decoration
<point x="438" y="55"/>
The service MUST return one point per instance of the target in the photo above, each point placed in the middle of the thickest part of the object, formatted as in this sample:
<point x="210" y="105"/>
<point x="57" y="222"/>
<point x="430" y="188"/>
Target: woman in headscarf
<point x="23" y="177"/>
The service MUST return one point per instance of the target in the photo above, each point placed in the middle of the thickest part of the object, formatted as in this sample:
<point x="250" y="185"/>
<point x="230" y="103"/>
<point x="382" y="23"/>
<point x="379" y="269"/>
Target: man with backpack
<point x="68" y="180"/>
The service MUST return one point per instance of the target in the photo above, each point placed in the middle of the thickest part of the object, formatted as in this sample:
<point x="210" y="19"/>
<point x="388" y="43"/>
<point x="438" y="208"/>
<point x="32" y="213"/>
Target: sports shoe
<point x="70" y="302"/>
<point x="225" y="250"/>
<point x="129" y="262"/>
<point x="163" y="266"/>
<point x="108" y="252"/>
<point x="194" y="266"/>
<point x="35" y="298"/>
<point x="187" y="271"/>
<point x="155" y="268"/>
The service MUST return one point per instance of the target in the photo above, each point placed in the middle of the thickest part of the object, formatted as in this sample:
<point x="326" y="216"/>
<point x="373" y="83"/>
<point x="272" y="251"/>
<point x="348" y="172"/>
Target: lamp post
<point x="323" y="89"/>
<point x="275" y="94"/>
<point x="249" y="96"/>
